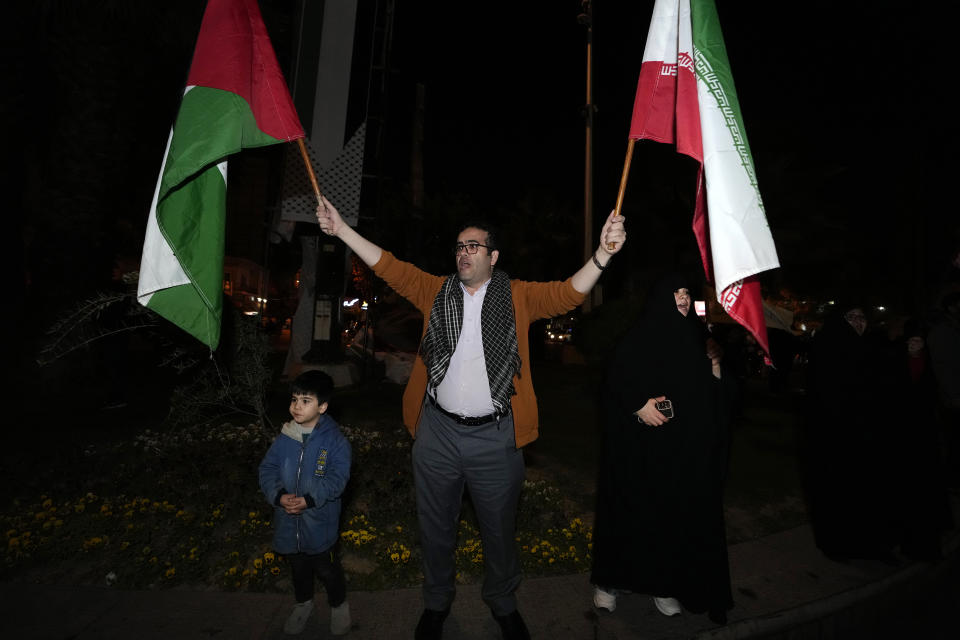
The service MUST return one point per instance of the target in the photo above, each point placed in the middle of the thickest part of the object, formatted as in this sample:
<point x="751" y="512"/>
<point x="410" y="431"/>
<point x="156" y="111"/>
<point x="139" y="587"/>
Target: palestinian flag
<point x="236" y="98"/>
<point x="686" y="96"/>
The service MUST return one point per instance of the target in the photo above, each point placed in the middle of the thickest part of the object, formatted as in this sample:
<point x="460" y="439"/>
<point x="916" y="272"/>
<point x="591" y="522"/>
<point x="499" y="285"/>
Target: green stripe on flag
<point x="191" y="207"/>
<point x="713" y="69"/>
<point x="211" y="125"/>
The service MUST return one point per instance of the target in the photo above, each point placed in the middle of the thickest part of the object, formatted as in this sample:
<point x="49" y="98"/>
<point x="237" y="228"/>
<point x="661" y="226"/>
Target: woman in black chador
<point x="847" y="445"/>
<point x="659" y="523"/>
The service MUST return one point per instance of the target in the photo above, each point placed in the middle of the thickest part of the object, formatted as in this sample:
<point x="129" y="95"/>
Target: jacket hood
<point x="292" y="429"/>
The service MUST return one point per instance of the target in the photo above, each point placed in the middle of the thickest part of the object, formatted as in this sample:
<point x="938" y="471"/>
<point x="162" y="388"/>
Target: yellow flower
<point x="395" y="557"/>
<point x="170" y="572"/>
<point x="47" y="503"/>
<point x="275" y="570"/>
<point x="269" y="557"/>
<point x="95" y="541"/>
<point x="257" y="563"/>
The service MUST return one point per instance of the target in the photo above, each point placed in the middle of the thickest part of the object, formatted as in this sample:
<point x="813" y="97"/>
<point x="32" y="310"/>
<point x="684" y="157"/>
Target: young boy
<point x="303" y="475"/>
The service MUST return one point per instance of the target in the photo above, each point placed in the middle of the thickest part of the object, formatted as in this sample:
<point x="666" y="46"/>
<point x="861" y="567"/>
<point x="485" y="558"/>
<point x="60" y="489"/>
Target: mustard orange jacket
<point x="531" y="301"/>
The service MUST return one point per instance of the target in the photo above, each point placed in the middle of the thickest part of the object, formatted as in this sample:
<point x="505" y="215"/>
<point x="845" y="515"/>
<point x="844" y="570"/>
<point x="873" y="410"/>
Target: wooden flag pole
<point x="313" y="177"/>
<point x="623" y="182"/>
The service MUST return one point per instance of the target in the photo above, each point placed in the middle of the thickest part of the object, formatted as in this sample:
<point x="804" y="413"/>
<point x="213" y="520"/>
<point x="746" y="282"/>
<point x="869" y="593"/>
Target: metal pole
<point x="586" y="19"/>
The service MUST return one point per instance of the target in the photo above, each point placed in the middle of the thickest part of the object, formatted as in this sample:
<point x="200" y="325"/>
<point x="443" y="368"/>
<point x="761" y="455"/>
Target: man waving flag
<point x="235" y="98"/>
<point x="686" y="96"/>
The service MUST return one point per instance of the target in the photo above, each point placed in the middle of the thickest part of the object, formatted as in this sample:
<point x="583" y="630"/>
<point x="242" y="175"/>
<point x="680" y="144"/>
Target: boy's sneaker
<point x="297" y="621"/>
<point x="603" y="599"/>
<point x="667" y="606"/>
<point x="340" y="619"/>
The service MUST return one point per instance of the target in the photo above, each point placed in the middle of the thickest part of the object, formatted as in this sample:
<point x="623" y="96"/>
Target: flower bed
<point x="182" y="508"/>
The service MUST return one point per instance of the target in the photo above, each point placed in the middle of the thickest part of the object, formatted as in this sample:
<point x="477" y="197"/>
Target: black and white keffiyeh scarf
<point x="498" y="329"/>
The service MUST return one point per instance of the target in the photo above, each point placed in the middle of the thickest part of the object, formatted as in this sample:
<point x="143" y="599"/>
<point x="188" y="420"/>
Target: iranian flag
<point x="236" y="98"/>
<point x="686" y="96"/>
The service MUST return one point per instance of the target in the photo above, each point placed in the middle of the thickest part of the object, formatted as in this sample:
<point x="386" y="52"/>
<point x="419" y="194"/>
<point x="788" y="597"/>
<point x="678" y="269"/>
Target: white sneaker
<point x="297" y="621"/>
<point x="340" y="619"/>
<point x="603" y="599"/>
<point x="667" y="606"/>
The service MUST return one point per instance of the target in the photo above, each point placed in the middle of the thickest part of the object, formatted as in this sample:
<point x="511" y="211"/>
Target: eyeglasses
<point x="470" y="248"/>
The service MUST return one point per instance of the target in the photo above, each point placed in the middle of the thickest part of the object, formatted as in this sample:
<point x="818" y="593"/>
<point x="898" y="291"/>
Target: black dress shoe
<point x="430" y="626"/>
<point x="512" y="626"/>
<point x="717" y="616"/>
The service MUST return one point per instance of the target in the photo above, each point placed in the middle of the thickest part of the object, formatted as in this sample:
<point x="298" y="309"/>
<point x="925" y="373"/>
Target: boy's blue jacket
<point x="317" y="470"/>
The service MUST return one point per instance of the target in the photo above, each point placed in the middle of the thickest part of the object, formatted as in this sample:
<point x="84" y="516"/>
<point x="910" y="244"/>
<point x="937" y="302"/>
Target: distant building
<point x="245" y="283"/>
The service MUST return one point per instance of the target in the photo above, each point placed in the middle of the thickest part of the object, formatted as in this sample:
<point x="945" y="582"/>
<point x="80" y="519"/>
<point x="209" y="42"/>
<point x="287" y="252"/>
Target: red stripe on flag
<point x="666" y="108"/>
<point x="234" y="53"/>
<point x="701" y="225"/>
<point x="742" y="302"/>
<point x="689" y="133"/>
<point x="653" y="117"/>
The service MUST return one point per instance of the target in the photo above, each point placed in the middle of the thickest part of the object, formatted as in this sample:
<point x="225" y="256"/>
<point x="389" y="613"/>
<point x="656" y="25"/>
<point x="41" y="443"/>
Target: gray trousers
<point x="446" y="457"/>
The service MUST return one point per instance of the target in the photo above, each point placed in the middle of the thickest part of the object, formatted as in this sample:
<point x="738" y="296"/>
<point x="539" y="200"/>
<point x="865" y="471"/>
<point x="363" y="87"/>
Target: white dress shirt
<point x="465" y="389"/>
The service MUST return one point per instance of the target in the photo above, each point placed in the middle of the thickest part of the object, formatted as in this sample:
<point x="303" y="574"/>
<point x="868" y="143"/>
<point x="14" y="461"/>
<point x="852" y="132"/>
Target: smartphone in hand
<point x="666" y="408"/>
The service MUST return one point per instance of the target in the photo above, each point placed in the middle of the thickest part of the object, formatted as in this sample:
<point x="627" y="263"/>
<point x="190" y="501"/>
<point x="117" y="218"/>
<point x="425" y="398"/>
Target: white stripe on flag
<point x="159" y="267"/>
<point x="661" y="43"/>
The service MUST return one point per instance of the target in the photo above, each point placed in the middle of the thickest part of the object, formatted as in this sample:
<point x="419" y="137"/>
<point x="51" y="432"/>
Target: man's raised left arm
<point x="612" y="237"/>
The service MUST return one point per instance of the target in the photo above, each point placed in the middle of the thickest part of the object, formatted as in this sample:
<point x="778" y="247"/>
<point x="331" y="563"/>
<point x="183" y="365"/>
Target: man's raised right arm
<point x="418" y="287"/>
<point x="333" y="225"/>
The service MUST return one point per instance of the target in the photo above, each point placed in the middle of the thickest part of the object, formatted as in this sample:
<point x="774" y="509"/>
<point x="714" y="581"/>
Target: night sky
<point x="845" y="111"/>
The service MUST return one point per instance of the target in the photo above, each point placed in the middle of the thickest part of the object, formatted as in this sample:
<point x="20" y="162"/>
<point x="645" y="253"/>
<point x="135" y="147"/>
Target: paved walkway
<point x="783" y="588"/>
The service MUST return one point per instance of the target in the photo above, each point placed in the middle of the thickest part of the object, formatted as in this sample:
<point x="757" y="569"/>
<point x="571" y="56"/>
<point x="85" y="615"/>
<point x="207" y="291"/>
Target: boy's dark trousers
<point x="325" y="566"/>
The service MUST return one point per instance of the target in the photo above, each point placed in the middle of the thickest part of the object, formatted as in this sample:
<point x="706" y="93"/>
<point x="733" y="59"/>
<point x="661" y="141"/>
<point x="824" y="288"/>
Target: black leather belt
<point x="469" y="421"/>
